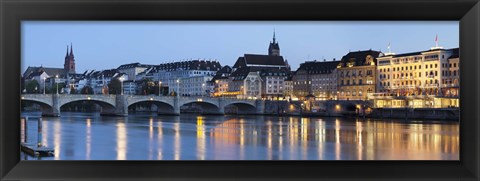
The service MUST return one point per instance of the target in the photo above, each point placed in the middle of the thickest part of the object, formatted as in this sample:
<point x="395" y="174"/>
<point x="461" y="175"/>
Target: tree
<point x="114" y="86"/>
<point x="53" y="89"/>
<point x="147" y="86"/>
<point x="86" y="90"/>
<point x="73" y="90"/>
<point x="31" y="85"/>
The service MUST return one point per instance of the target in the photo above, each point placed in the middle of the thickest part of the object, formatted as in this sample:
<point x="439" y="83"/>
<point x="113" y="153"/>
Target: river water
<point x="89" y="136"/>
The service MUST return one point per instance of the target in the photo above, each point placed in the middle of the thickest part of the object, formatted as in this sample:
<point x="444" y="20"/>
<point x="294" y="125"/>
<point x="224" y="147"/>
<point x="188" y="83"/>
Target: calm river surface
<point x="89" y="136"/>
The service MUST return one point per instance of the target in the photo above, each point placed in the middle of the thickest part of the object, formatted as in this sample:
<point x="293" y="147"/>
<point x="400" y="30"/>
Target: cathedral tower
<point x="69" y="65"/>
<point x="274" y="49"/>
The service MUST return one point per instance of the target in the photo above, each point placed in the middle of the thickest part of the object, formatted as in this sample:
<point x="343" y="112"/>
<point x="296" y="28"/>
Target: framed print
<point x="239" y="90"/>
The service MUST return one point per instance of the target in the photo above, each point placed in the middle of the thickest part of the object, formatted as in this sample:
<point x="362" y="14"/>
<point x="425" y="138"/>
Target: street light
<point x="159" y="87"/>
<point x="56" y="77"/>
<point x="44" y="78"/>
<point x="178" y="87"/>
<point x="121" y="85"/>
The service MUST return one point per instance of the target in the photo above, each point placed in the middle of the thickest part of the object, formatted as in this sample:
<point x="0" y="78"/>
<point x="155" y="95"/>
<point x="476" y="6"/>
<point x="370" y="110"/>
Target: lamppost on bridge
<point x="178" y="87"/>
<point x="159" y="87"/>
<point x="203" y="89"/>
<point x="56" y="77"/>
<point x="121" y="85"/>
<point x="44" y="78"/>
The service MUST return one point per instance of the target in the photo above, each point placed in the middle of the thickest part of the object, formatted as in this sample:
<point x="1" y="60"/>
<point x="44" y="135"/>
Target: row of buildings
<point x="427" y="78"/>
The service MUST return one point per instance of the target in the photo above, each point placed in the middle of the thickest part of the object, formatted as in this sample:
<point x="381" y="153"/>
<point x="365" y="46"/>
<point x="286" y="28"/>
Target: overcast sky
<point x="105" y="44"/>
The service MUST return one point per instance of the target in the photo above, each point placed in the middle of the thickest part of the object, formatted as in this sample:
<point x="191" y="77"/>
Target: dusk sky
<point x="105" y="45"/>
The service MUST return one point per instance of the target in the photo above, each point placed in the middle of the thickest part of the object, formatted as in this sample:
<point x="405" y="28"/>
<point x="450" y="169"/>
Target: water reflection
<point x="121" y="141"/>
<point x="89" y="138"/>
<point x="190" y="137"/>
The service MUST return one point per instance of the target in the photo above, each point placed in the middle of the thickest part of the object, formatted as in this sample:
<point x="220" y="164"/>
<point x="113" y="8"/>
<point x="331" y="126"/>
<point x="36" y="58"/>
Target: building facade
<point x="176" y="75"/>
<point x="288" y="86"/>
<point x="357" y="75"/>
<point x="220" y="81"/>
<point x="316" y="78"/>
<point x="419" y="79"/>
<point x="133" y="69"/>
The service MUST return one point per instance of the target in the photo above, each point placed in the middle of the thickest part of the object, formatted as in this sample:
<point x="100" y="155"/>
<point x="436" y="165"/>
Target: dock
<point x="36" y="150"/>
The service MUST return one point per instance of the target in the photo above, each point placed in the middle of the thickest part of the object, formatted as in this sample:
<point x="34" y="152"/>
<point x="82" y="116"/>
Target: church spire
<point x="67" y="52"/>
<point x="274" y="49"/>
<point x="71" y="49"/>
<point x="274" y="35"/>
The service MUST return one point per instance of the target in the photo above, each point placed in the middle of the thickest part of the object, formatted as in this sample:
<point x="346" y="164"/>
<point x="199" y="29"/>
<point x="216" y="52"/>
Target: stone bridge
<point x="118" y="104"/>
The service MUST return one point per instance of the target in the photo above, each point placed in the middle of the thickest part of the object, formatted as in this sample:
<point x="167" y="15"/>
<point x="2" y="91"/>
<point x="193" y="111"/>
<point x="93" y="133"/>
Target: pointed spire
<point x="273" y="35"/>
<point x="71" y="49"/>
<point x="67" y="52"/>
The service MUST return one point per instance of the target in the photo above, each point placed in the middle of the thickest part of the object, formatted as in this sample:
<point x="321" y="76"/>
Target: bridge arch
<point x="203" y="107"/>
<point x="106" y="107"/>
<point x="240" y="108"/>
<point x="45" y="107"/>
<point x="163" y="107"/>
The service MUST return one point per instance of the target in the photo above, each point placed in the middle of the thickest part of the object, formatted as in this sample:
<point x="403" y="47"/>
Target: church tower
<point x="274" y="49"/>
<point x="69" y="65"/>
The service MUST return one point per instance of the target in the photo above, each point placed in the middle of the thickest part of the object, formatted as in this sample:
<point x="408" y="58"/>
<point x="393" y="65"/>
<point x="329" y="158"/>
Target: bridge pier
<point x="176" y="106"/>
<point x="55" y="107"/>
<point x="221" y="106"/>
<point x="260" y="106"/>
<point x="121" y="107"/>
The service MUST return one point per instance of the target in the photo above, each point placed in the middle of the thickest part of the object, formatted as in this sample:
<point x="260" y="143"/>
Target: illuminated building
<point x="419" y="79"/>
<point x="356" y="75"/>
<point x="288" y="92"/>
<point x="257" y="76"/>
<point x="220" y="81"/>
<point x="316" y="79"/>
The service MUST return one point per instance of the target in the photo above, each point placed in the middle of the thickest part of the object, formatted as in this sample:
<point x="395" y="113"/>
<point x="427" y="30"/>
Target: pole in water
<point x="25" y="128"/>
<point x="39" y="141"/>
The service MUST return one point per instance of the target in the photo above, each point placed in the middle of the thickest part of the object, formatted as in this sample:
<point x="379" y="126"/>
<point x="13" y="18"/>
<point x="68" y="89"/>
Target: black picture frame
<point x="12" y="12"/>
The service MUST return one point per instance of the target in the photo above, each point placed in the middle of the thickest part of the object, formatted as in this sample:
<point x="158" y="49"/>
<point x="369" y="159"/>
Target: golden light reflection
<point x="359" y="127"/>
<point x="304" y="135"/>
<point x="337" y="139"/>
<point x="242" y="138"/>
<point x="201" y="142"/>
<point x="320" y="129"/>
<point x="121" y="141"/>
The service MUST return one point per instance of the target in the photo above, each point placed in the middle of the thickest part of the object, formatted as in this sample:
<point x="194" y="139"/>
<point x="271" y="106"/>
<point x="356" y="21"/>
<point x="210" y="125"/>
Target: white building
<point x="133" y="69"/>
<point x="129" y="87"/>
<point x="181" y="74"/>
